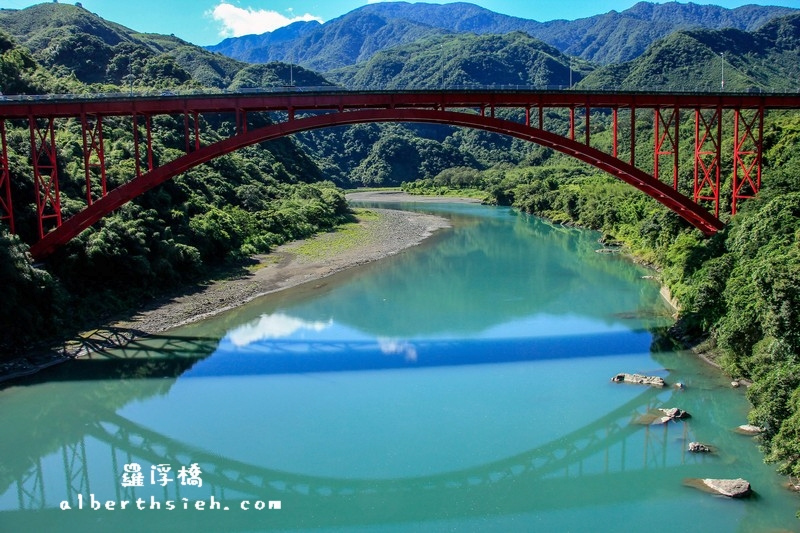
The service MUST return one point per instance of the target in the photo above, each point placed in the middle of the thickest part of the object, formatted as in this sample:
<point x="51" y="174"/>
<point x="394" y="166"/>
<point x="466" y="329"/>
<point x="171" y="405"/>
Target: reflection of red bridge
<point x="611" y="445"/>
<point x="658" y="172"/>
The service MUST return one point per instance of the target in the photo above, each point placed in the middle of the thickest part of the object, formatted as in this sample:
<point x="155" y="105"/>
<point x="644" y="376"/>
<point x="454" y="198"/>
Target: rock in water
<point x="639" y="379"/>
<point x="749" y="429"/>
<point x="674" y="413"/>
<point x="699" y="447"/>
<point x="732" y="488"/>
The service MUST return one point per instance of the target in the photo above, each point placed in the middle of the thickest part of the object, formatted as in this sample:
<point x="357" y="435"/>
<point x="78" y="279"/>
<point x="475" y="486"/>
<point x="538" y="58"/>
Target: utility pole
<point x="570" y="72"/>
<point x="722" y="55"/>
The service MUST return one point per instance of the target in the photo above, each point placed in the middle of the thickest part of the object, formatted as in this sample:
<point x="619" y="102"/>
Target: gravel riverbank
<point x="292" y="264"/>
<point x="378" y="234"/>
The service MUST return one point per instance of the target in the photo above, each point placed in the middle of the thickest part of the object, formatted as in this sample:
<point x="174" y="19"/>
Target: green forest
<point x="739" y="291"/>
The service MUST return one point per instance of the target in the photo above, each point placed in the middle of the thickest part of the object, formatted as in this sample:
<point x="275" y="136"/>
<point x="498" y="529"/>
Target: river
<point x="462" y="385"/>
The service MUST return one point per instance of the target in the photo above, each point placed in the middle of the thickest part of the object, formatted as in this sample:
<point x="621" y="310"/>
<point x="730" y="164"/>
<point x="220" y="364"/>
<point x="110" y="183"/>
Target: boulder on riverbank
<point x="732" y="488"/>
<point x="639" y="379"/>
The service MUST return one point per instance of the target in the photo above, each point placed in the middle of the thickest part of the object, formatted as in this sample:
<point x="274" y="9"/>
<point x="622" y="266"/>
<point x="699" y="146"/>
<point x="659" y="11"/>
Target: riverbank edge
<point x="290" y="265"/>
<point x="701" y="347"/>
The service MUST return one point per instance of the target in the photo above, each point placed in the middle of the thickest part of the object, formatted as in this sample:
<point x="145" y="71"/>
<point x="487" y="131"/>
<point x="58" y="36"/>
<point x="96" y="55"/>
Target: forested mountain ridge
<point x="607" y="38"/>
<point x="455" y="60"/>
<point x="766" y="59"/>
<point x="72" y="42"/>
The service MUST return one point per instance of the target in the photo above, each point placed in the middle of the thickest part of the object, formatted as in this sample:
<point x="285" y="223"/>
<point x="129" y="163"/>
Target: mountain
<point x="266" y="47"/>
<point x="621" y="36"/>
<point x="768" y="59"/>
<point x="465" y="60"/>
<point x="69" y="40"/>
<point x="341" y="42"/>
<point x="609" y="38"/>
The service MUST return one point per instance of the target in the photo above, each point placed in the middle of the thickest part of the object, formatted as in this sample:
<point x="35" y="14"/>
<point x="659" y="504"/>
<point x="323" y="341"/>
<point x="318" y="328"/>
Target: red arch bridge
<point x="726" y="127"/>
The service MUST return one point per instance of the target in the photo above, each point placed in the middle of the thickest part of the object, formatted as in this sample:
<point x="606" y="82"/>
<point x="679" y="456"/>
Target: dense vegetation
<point x="237" y="205"/>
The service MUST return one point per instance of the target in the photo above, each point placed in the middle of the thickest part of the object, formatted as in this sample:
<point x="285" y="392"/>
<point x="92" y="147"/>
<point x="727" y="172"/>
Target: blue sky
<point x="207" y="22"/>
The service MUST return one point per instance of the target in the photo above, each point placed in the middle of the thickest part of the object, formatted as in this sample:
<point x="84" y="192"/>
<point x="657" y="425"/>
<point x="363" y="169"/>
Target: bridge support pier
<point x="666" y="142"/>
<point x="747" y="154"/>
<point x="45" y="172"/>
<point x="94" y="157"/>
<point x="707" y="156"/>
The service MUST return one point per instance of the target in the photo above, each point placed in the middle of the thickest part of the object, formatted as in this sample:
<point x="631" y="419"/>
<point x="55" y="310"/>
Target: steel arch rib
<point x="677" y="202"/>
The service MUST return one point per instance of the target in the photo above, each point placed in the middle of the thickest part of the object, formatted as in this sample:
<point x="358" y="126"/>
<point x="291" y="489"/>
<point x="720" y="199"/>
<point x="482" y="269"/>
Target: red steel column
<point x="194" y="131"/>
<point x="186" y="135"/>
<point x="93" y="146"/>
<point x="707" y="160"/>
<point x="148" y="124"/>
<point x="633" y="136"/>
<point x="588" y="115"/>
<point x="149" y="143"/>
<point x="541" y="116"/>
<point x="6" y="208"/>
<point x="136" y="158"/>
<point x="45" y="172"/>
<point x="572" y="123"/>
<point x="747" y="155"/>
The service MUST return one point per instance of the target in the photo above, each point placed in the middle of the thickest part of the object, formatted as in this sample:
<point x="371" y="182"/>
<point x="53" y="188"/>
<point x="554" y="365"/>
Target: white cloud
<point x="237" y="21"/>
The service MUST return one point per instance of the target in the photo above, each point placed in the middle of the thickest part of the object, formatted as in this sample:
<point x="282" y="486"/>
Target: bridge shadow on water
<point x="121" y="354"/>
<point x="293" y="356"/>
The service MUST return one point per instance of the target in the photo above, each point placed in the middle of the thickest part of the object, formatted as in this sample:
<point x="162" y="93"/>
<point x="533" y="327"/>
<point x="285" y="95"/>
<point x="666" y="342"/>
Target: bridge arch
<point x="672" y="199"/>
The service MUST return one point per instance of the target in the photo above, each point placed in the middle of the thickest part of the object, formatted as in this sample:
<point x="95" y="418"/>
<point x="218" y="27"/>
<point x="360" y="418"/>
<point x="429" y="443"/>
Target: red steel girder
<point x="747" y="143"/>
<point x="707" y="157"/>
<point x="6" y="207"/>
<point x="45" y="172"/>
<point x="666" y="142"/>
<point x="671" y="198"/>
<point x="347" y="100"/>
<point x="747" y="155"/>
<point x="94" y="157"/>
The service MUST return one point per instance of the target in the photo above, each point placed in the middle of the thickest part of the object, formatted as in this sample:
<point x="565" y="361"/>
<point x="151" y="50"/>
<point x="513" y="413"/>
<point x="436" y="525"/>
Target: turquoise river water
<point x="462" y="385"/>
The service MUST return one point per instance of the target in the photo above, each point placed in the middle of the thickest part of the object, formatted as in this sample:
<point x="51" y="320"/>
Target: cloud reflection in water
<point x="275" y="326"/>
